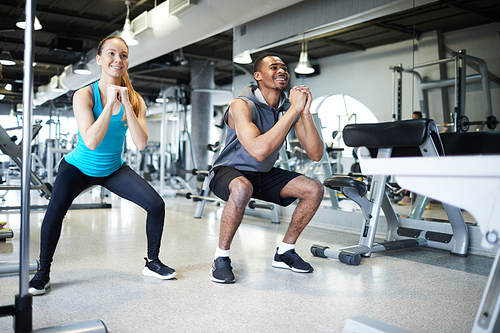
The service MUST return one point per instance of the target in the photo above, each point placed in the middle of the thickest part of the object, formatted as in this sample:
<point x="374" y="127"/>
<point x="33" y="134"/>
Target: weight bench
<point x="408" y="138"/>
<point x="450" y="179"/>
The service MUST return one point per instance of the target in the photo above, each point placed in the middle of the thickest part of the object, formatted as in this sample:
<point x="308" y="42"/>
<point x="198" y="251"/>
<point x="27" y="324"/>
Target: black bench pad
<point x="405" y="133"/>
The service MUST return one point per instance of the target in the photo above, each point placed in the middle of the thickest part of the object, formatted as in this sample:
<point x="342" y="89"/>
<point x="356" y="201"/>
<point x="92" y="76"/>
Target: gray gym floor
<point x="98" y="263"/>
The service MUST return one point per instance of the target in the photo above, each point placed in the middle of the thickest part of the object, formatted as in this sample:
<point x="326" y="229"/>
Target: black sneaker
<point x="158" y="270"/>
<point x="39" y="283"/>
<point x="291" y="260"/>
<point x="221" y="271"/>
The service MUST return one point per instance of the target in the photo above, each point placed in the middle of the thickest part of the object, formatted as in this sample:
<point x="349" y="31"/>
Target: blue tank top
<point x="107" y="157"/>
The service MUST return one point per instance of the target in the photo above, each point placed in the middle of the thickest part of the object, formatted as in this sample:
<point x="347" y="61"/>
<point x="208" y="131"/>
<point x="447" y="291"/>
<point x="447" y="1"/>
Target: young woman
<point x="104" y="111"/>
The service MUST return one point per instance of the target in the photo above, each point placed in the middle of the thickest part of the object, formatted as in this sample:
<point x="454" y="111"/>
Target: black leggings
<point x="70" y="182"/>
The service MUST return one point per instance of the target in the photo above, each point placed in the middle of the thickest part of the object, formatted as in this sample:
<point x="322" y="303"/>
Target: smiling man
<point x="257" y="123"/>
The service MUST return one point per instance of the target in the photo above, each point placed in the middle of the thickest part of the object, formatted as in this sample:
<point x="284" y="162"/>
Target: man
<point x="257" y="123"/>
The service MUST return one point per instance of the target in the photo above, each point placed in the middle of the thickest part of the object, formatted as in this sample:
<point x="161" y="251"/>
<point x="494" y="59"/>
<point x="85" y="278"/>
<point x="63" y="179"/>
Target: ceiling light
<point x="81" y="67"/>
<point x="127" y="33"/>
<point x="8" y="87"/>
<point x="2" y="96"/>
<point x="304" y="66"/>
<point x="243" y="58"/>
<point x="57" y="87"/>
<point x="6" y="58"/>
<point x="160" y="99"/>
<point x="181" y="59"/>
<point x="21" y="23"/>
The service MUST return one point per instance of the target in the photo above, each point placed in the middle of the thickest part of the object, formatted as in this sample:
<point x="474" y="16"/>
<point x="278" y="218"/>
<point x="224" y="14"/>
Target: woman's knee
<point x="159" y="204"/>
<point x="155" y="205"/>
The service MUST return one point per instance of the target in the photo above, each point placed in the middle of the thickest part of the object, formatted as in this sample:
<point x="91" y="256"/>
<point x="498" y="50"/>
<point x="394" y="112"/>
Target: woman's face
<point x="113" y="58"/>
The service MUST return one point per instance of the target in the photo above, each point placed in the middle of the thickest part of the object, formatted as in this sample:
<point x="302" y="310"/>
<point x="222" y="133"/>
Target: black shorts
<point x="266" y="185"/>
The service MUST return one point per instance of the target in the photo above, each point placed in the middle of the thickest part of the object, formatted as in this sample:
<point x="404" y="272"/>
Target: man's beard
<point x="280" y="89"/>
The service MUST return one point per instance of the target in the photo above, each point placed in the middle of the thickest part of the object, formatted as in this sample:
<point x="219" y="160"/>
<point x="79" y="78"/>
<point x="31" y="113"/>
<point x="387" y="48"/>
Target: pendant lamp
<point x="127" y="33"/>
<point x="304" y="66"/>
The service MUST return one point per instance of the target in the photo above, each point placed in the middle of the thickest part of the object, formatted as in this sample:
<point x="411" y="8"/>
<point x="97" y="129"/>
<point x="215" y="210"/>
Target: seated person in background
<point x="258" y="122"/>
<point x="417" y="115"/>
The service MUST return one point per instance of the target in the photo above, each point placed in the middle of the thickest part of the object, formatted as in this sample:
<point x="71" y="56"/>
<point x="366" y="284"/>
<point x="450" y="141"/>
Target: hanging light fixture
<point x="6" y="58"/>
<point x="127" y="33"/>
<point x="21" y="23"/>
<point x="81" y="67"/>
<point x="12" y="113"/>
<point x="57" y="87"/>
<point x="304" y="66"/>
<point x="243" y="58"/>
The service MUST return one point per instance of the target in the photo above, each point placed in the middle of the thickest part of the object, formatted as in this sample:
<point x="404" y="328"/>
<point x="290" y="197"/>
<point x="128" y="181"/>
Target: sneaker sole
<point x="36" y="292"/>
<point x="147" y="272"/>
<point x="214" y="279"/>
<point x="280" y="264"/>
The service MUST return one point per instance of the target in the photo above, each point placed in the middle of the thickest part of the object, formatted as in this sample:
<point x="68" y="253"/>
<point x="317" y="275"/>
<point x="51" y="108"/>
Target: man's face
<point x="1" y="77"/>
<point x="273" y="74"/>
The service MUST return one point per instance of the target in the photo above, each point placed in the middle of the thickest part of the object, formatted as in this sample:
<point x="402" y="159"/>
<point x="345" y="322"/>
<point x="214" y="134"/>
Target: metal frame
<point x="459" y="83"/>
<point x="397" y="237"/>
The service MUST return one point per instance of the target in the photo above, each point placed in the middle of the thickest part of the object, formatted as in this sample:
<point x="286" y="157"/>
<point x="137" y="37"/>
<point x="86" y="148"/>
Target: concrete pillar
<point x="202" y="109"/>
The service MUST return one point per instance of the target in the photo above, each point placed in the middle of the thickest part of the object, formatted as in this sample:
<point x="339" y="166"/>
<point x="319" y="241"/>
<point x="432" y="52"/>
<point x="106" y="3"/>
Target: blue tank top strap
<point x="93" y="87"/>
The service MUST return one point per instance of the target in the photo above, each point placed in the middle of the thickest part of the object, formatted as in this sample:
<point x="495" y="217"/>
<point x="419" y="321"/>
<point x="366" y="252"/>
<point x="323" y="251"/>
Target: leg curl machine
<point x="449" y="179"/>
<point x="405" y="138"/>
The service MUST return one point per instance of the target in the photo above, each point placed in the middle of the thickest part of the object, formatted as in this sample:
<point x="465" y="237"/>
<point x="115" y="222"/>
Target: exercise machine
<point x="14" y="151"/>
<point x="384" y="140"/>
<point x="461" y="60"/>
<point x="450" y="179"/>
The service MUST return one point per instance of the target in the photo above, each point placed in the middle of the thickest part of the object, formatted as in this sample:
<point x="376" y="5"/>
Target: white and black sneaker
<point x="39" y="283"/>
<point x="291" y="260"/>
<point x="221" y="271"/>
<point x="157" y="269"/>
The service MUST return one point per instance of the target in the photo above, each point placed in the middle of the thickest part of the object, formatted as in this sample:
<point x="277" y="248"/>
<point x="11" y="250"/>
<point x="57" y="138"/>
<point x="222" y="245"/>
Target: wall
<point x="365" y="75"/>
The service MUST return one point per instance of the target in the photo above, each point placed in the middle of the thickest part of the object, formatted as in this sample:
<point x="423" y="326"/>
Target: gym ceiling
<point x="83" y="23"/>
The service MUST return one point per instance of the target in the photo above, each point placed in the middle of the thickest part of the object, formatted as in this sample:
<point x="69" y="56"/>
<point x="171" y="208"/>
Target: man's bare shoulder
<point x="239" y="106"/>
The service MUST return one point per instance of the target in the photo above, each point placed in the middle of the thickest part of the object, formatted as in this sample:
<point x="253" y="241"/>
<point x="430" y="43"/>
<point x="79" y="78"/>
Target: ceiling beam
<point x="471" y="10"/>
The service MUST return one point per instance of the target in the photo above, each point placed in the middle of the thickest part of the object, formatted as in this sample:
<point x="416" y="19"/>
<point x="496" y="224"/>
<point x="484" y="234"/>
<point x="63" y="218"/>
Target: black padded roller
<point x="337" y="183"/>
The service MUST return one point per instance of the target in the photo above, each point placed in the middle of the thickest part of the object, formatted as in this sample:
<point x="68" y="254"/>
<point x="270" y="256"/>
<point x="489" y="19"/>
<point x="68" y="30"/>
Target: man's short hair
<point x="417" y="115"/>
<point x="257" y="65"/>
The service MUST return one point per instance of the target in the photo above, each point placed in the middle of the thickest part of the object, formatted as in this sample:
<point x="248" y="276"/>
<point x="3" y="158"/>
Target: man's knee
<point x="315" y="189"/>
<point x="240" y="189"/>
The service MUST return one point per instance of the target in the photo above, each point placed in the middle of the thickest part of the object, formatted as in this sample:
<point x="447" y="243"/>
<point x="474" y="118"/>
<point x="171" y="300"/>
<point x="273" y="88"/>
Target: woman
<point x="104" y="111"/>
